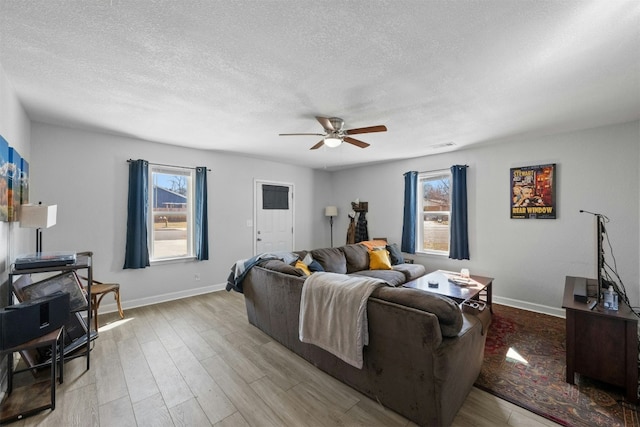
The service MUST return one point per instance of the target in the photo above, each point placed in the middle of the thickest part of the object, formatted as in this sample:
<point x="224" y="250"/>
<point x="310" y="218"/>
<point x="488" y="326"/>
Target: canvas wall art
<point x="13" y="193"/>
<point x="4" y="179"/>
<point x="24" y="182"/>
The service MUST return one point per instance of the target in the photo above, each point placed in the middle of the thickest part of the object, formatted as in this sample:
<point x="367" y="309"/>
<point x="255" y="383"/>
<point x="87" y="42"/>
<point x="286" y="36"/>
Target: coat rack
<point x="358" y="231"/>
<point x="360" y="207"/>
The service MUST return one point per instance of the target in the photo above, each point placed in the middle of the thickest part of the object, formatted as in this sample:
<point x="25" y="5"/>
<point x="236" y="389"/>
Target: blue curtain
<point x="202" y="223"/>
<point x="408" y="243"/>
<point x="459" y="244"/>
<point x="137" y="252"/>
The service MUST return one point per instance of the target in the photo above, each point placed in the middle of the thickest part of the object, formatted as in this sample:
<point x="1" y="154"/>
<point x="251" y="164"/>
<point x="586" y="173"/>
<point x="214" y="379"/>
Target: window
<point x="434" y="204"/>
<point x="171" y="213"/>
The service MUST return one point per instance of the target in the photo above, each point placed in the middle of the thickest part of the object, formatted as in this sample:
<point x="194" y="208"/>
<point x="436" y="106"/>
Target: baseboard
<point x="524" y="305"/>
<point x="156" y="299"/>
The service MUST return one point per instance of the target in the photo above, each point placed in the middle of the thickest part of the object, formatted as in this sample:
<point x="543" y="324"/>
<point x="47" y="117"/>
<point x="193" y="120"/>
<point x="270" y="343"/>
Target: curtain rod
<point x="441" y="170"/>
<point x="171" y="166"/>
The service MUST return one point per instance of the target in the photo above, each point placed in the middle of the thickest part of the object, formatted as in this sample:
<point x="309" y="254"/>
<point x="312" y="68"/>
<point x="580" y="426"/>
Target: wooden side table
<point x="28" y="400"/>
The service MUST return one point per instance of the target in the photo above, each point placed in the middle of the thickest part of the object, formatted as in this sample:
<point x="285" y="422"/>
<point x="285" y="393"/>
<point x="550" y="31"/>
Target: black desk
<point x="28" y="400"/>
<point x="601" y="344"/>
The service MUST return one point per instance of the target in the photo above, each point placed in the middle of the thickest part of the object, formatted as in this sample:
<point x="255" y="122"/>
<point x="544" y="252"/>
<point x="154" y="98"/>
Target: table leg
<point x="54" y="363"/>
<point x="61" y="356"/>
<point x="571" y="350"/>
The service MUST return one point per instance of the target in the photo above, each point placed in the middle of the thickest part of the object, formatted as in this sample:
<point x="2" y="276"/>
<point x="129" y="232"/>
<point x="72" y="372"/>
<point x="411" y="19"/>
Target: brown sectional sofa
<point x="424" y="353"/>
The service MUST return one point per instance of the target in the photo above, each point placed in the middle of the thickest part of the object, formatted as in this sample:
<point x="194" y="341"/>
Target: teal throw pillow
<point x="395" y="254"/>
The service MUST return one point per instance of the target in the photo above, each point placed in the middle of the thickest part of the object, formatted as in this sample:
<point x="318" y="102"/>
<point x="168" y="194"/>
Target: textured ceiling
<point x="231" y="75"/>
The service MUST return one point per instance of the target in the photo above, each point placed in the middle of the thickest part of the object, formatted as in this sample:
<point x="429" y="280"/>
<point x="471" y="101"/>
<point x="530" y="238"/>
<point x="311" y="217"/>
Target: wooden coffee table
<point x="479" y="287"/>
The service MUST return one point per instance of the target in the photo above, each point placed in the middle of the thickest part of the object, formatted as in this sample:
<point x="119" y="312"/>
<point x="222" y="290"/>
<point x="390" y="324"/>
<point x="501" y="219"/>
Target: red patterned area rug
<point x="524" y="363"/>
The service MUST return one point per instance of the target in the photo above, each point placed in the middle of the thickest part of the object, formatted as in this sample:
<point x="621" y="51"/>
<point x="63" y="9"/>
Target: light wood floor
<point x="198" y="362"/>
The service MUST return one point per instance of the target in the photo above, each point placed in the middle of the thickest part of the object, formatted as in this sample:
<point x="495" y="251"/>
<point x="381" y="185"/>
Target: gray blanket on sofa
<point x="333" y="314"/>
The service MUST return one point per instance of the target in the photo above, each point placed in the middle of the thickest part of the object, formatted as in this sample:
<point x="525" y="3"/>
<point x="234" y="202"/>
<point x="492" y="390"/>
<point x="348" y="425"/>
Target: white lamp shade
<point x="332" y="141"/>
<point x="331" y="211"/>
<point x="38" y="216"/>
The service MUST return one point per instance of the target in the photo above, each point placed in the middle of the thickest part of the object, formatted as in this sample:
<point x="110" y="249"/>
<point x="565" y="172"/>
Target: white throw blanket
<point x="333" y="314"/>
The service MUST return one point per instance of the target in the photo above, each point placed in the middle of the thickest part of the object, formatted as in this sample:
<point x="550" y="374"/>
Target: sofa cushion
<point x="393" y="278"/>
<point x="281" y="267"/>
<point x="395" y="254"/>
<point x="448" y="312"/>
<point x="374" y="244"/>
<point x="379" y="260"/>
<point x="287" y="257"/>
<point x="357" y="257"/>
<point x="302" y="266"/>
<point x="331" y="259"/>
<point x="314" y="266"/>
<point x="411" y="271"/>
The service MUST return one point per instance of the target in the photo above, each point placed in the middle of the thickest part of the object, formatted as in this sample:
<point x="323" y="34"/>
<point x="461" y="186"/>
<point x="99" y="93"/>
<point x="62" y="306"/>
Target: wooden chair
<point x="98" y="291"/>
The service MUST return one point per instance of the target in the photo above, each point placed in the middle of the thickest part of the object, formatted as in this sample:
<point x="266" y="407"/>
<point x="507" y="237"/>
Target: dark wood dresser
<point x="601" y="344"/>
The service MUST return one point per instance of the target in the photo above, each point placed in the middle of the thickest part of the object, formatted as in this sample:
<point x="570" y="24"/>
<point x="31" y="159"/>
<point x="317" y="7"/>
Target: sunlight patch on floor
<point x="515" y="356"/>
<point x="115" y="324"/>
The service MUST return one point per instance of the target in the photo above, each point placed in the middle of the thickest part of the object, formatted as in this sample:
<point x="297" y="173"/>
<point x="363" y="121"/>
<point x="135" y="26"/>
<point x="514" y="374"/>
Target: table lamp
<point x="38" y="216"/>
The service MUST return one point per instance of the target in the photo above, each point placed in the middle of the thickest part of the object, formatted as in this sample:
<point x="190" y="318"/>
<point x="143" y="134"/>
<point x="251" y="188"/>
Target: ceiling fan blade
<point x="370" y="129"/>
<point x="324" y="121"/>
<point x="297" y="134"/>
<point x="318" y="145"/>
<point x="356" y="142"/>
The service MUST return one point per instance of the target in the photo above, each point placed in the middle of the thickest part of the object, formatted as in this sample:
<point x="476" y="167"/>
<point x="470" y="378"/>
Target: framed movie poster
<point x="533" y="192"/>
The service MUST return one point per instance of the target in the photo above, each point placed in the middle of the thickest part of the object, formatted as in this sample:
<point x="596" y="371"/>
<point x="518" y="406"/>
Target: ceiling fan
<point x="334" y="135"/>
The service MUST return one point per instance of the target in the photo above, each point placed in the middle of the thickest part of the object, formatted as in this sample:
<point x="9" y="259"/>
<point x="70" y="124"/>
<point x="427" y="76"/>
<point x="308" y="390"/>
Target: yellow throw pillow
<point x="302" y="266"/>
<point x="379" y="260"/>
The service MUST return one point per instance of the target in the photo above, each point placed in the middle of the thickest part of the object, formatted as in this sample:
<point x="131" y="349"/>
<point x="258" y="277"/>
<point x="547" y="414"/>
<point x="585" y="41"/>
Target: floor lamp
<point x="331" y="211"/>
<point x="38" y="216"/>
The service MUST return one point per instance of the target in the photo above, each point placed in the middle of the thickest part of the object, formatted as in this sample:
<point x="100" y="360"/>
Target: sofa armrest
<point x="281" y="267"/>
<point x="448" y="312"/>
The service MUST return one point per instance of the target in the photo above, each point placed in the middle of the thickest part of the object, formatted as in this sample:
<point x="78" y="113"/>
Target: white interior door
<point x="273" y="217"/>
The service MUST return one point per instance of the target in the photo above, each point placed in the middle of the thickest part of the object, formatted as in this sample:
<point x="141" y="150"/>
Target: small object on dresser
<point x="433" y="283"/>
<point x="472" y="306"/>
<point x="611" y="299"/>
<point x="45" y="260"/>
<point x="580" y="290"/>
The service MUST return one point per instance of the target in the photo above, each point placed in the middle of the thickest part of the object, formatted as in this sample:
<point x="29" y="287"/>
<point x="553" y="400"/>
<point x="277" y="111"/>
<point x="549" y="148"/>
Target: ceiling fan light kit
<point x="334" y="135"/>
<point x="332" y="141"/>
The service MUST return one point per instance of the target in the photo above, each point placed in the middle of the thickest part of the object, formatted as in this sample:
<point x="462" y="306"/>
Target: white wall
<point x="598" y="170"/>
<point x="15" y="129"/>
<point x="86" y="175"/>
